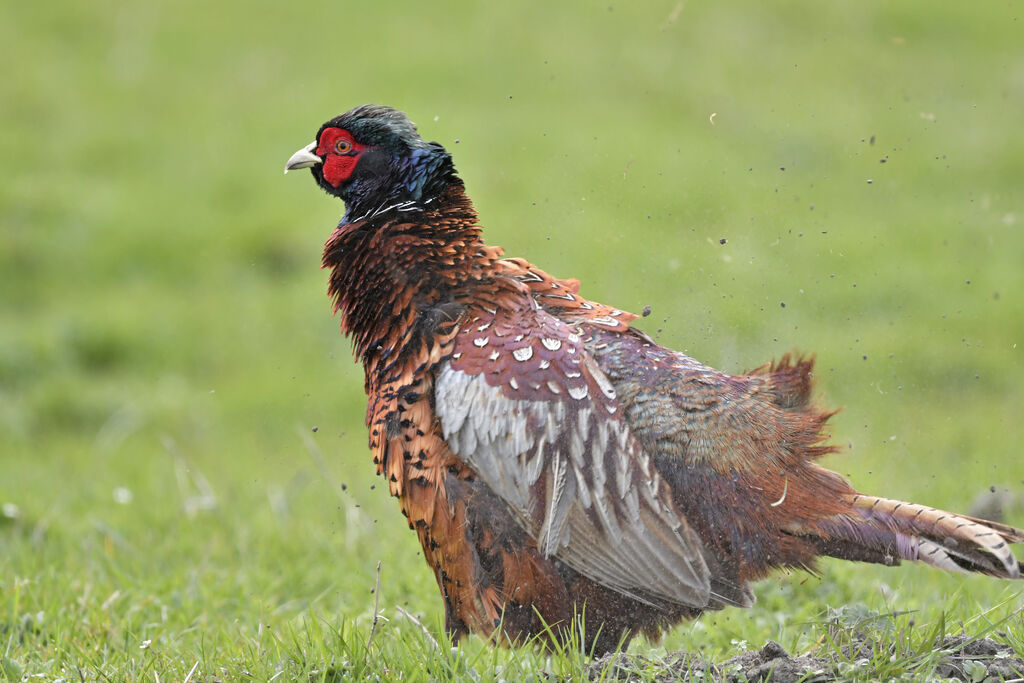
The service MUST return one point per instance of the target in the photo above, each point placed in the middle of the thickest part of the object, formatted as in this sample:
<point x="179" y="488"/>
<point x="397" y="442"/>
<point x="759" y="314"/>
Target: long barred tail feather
<point x="1011" y="534"/>
<point x="887" y="531"/>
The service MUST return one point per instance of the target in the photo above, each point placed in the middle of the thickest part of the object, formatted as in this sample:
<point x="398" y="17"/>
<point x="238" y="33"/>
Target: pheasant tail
<point x="887" y="531"/>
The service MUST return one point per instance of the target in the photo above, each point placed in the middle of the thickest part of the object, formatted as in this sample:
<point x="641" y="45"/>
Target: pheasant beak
<point x="304" y="158"/>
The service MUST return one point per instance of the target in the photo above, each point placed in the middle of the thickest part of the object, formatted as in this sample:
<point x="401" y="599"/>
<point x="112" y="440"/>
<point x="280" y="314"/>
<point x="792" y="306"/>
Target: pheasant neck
<point x="402" y="276"/>
<point x="417" y="179"/>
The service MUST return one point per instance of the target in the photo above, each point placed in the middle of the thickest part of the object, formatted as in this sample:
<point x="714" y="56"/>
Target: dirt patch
<point x="958" y="657"/>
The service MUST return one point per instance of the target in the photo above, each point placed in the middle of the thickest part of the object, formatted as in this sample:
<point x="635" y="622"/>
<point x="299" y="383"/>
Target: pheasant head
<point x="372" y="157"/>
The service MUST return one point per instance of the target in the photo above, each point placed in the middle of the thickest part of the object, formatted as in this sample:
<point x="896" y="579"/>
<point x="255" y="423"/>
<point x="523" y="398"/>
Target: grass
<point x="166" y="348"/>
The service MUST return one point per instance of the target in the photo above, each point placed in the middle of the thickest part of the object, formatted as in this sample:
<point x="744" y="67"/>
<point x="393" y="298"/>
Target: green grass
<point x="166" y="348"/>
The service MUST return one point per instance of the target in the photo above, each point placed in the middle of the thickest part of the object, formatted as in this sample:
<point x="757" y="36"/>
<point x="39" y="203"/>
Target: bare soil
<point x="962" y="658"/>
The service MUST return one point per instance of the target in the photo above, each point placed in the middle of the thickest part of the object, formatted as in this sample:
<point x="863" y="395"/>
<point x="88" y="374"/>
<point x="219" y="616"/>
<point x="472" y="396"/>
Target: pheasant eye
<point x="342" y="146"/>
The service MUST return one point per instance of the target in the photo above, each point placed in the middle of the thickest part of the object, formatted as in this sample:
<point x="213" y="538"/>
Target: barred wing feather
<point x="537" y="421"/>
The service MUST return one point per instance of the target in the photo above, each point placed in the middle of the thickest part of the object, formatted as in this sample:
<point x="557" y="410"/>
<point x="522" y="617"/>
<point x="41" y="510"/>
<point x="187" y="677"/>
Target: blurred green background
<point x="178" y="412"/>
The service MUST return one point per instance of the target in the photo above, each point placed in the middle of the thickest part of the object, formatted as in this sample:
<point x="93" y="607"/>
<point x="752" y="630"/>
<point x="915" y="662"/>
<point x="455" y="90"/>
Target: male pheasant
<point x="555" y="462"/>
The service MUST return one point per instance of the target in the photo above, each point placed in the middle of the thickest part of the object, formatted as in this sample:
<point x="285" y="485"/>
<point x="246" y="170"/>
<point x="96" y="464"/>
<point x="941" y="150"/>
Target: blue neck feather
<point x="414" y="179"/>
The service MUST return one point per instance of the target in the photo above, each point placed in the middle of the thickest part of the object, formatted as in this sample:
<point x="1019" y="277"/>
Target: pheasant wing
<point x="527" y="408"/>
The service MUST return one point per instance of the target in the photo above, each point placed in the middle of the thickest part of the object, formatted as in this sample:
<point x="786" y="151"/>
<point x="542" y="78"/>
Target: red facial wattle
<point x="340" y="153"/>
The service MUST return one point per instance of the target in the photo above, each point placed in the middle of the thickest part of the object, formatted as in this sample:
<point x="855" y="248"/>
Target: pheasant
<point x="555" y="462"/>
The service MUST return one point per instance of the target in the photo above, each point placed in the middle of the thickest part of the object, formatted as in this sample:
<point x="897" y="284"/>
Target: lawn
<point x="185" y="485"/>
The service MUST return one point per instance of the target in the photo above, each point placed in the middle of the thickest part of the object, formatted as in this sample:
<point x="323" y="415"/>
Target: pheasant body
<point x="555" y="462"/>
